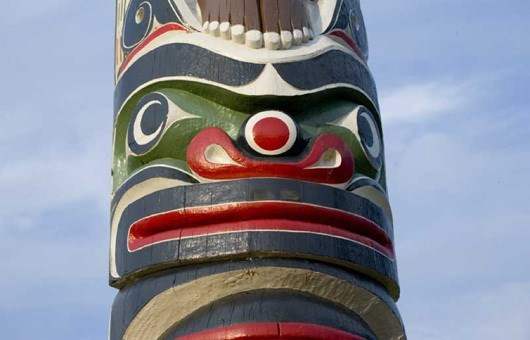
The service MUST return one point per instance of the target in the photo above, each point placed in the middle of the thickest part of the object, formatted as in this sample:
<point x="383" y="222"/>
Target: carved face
<point x="247" y="128"/>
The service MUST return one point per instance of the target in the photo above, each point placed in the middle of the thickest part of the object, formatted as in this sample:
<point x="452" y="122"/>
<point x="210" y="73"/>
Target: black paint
<point x="130" y="301"/>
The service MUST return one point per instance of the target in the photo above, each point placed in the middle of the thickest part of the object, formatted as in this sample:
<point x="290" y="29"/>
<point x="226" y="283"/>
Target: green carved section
<point x="228" y="111"/>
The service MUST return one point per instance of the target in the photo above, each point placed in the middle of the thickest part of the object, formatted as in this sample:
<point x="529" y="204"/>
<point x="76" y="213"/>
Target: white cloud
<point x="459" y="195"/>
<point x="421" y="102"/>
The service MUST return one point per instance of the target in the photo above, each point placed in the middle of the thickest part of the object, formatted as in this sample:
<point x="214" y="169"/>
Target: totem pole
<point x="249" y="197"/>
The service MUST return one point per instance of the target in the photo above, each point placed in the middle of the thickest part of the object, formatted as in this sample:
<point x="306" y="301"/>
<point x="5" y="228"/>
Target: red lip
<point x="239" y="166"/>
<point x="272" y="330"/>
<point x="258" y="216"/>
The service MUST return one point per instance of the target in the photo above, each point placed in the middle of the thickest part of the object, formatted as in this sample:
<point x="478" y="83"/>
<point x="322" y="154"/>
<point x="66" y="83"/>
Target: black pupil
<point x="365" y="131"/>
<point x="153" y="118"/>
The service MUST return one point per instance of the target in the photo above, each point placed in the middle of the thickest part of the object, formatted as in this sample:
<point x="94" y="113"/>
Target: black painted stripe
<point x="184" y="60"/>
<point x="252" y="190"/>
<point x="156" y="171"/>
<point x="329" y="68"/>
<point x="240" y="245"/>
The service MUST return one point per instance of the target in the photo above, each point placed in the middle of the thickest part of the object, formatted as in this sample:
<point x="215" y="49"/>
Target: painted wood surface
<point x="248" y="178"/>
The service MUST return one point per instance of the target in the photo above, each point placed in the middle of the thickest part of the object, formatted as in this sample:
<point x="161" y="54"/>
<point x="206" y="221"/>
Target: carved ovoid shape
<point x="249" y="193"/>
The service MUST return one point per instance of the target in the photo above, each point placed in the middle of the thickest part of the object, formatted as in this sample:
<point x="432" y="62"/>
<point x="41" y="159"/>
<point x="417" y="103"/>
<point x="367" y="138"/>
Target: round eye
<point x="270" y="133"/>
<point x="370" y="137"/>
<point x="138" y="23"/>
<point x="148" y="123"/>
<point x="358" y="29"/>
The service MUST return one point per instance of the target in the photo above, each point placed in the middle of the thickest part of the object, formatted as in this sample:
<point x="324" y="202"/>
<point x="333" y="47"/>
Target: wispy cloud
<point x="422" y="102"/>
<point x="459" y="201"/>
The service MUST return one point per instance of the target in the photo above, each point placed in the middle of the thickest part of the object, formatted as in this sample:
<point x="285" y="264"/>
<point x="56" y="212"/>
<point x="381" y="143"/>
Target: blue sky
<point x="453" y="79"/>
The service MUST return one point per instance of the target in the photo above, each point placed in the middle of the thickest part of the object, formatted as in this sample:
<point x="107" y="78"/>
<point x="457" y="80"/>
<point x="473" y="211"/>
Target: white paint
<point x="376" y="197"/>
<point x="224" y="30"/>
<point x="272" y="40"/>
<point x="287" y="39"/>
<point x="298" y="37"/>
<point x="376" y="148"/>
<point x="289" y="122"/>
<point x="148" y="25"/>
<point x="330" y="159"/>
<point x="325" y="11"/>
<point x="319" y="45"/>
<point x="175" y="114"/>
<point x="349" y="121"/>
<point x="217" y="155"/>
<point x="254" y="39"/>
<point x="214" y="28"/>
<point x="238" y="34"/>
<point x="172" y="306"/>
<point x="305" y="31"/>
<point x="139" y="137"/>
<point x="134" y="193"/>
<point x="263" y="86"/>
<point x="190" y="12"/>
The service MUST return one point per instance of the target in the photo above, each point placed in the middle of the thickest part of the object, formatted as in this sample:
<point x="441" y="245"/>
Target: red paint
<point x="258" y="216"/>
<point x="249" y="168"/>
<point x="271" y="133"/>
<point x="155" y="34"/>
<point x="272" y="330"/>
<point x="348" y="40"/>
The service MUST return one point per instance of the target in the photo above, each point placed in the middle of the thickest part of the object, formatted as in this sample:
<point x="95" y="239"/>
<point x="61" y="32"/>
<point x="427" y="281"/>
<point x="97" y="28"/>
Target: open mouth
<point x="258" y="216"/>
<point x="164" y="211"/>
<point x="257" y="23"/>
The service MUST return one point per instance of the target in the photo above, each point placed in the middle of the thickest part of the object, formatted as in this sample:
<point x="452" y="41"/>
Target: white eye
<point x="148" y="122"/>
<point x="368" y="132"/>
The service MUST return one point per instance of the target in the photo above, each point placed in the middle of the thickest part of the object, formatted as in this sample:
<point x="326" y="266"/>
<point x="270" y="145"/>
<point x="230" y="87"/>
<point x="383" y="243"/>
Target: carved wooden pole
<point x="249" y="197"/>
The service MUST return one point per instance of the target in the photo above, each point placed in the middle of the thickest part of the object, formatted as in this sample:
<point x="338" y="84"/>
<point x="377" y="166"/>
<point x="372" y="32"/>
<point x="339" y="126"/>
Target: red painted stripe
<point x="155" y="34"/>
<point x="255" y="216"/>
<point x="272" y="330"/>
<point x="341" y="35"/>
<point x="246" y="167"/>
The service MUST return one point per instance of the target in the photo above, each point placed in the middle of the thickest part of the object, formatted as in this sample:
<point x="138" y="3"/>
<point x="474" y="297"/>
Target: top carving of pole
<point x="249" y="196"/>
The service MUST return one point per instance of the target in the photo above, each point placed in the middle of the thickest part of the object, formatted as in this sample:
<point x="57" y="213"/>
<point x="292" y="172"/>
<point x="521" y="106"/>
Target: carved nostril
<point x="270" y="133"/>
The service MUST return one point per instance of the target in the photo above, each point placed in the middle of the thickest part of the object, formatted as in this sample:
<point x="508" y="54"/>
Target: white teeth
<point x="305" y="31"/>
<point x="224" y="30"/>
<point x="287" y="39"/>
<point x="272" y="40"/>
<point x="214" y="28"/>
<point x="298" y="37"/>
<point x="206" y="27"/>
<point x="254" y="39"/>
<point x="238" y="34"/>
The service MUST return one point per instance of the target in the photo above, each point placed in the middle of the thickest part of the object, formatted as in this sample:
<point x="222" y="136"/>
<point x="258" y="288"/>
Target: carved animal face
<point x="235" y="118"/>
